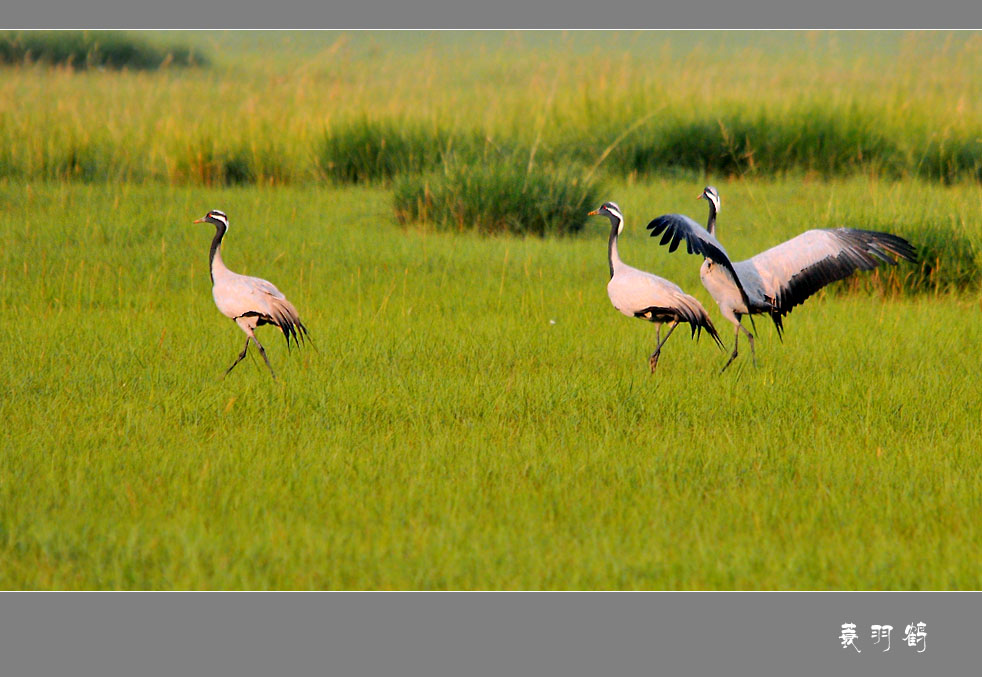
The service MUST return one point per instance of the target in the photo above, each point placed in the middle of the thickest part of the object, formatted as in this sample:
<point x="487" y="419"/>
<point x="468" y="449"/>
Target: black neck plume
<point x="612" y="243"/>
<point x="220" y="229"/>
<point x="711" y="224"/>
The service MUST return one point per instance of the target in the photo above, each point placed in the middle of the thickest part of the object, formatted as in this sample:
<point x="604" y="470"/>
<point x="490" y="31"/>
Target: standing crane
<point x="784" y="276"/>
<point x="649" y="297"/>
<point x="250" y="301"/>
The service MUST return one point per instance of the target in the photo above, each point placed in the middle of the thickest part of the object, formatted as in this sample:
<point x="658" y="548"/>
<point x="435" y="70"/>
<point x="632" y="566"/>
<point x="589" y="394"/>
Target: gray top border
<point x="501" y="14"/>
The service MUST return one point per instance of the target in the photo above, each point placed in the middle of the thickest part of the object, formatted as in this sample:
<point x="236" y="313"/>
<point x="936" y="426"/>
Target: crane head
<point x="612" y="212"/>
<point x="712" y="195"/>
<point x="214" y="217"/>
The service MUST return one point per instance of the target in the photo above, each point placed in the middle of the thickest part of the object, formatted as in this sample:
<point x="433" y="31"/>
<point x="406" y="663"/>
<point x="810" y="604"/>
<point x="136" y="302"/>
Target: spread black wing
<point x="677" y="227"/>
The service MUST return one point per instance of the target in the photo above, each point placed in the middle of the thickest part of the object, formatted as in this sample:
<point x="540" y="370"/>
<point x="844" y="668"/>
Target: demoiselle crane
<point x="250" y="301"/>
<point x="649" y="297"/>
<point x="784" y="276"/>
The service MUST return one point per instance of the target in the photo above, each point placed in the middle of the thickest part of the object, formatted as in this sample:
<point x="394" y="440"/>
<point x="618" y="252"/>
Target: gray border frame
<point x="693" y="633"/>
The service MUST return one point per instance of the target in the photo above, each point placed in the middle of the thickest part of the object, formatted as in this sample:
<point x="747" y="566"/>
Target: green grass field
<point x="473" y="413"/>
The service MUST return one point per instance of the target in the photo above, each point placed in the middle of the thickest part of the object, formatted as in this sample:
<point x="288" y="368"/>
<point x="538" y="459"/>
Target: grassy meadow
<point x="473" y="413"/>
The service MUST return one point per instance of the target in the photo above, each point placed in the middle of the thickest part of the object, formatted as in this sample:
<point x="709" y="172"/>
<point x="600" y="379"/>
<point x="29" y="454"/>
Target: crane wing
<point x="650" y="297"/>
<point x="632" y="290"/>
<point x="794" y="270"/>
<point x="259" y="297"/>
<point x="265" y="287"/>
<point x="677" y="227"/>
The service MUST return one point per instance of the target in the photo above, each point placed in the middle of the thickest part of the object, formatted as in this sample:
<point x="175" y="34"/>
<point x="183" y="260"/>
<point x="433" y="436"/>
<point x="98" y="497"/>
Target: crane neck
<point x="215" y="262"/>
<point x="711" y="224"/>
<point x="613" y="258"/>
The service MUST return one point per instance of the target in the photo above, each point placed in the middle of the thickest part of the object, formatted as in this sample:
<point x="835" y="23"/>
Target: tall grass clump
<point x="507" y="197"/>
<point x="362" y="151"/>
<point x="951" y="159"/>
<point x="94" y="49"/>
<point x="801" y="138"/>
<point x="82" y="160"/>
<point x="742" y="139"/>
<point x="210" y="163"/>
<point x="948" y="259"/>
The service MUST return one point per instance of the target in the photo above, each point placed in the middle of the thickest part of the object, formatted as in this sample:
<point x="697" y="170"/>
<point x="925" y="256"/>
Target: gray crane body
<point x="640" y="294"/>
<point x="634" y="291"/>
<point x="249" y="301"/>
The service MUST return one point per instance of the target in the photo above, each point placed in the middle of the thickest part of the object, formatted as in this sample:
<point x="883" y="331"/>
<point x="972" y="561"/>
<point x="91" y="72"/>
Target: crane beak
<point x="700" y="196"/>
<point x="595" y="212"/>
<point x="201" y="220"/>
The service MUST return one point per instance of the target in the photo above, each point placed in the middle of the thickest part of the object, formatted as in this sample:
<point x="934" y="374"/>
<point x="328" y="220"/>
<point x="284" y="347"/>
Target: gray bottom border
<point x="512" y="633"/>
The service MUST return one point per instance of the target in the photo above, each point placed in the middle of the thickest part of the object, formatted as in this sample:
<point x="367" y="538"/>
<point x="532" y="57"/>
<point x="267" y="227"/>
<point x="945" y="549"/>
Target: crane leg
<point x="653" y="360"/>
<point x="262" y="352"/>
<point x="736" y="341"/>
<point x="753" y="353"/>
<point x="239" y="359"/>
